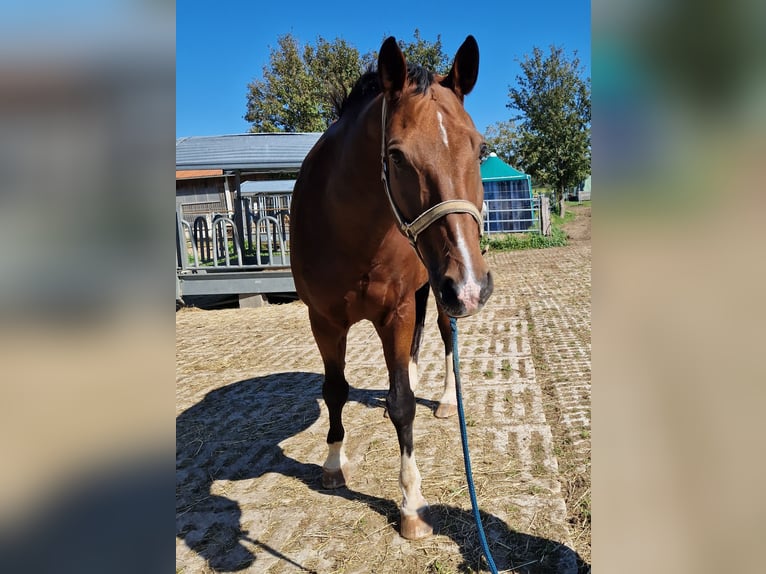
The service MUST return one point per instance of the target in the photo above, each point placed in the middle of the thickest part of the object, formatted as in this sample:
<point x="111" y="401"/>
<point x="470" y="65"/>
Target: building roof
<point x="245" y="152"/>
<point x="268" y="186"/>
<point x="494" y="169"/>
<point x="198" y="173"/>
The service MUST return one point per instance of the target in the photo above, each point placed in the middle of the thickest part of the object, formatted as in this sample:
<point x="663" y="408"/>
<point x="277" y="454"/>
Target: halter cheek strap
<point x="412" y="230"/>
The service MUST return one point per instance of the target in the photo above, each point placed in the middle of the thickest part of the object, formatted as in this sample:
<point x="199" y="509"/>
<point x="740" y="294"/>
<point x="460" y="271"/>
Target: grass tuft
<point x="517" y="241"/>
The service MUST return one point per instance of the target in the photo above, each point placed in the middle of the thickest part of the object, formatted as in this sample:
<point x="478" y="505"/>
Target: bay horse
<point x="387" y="207"/>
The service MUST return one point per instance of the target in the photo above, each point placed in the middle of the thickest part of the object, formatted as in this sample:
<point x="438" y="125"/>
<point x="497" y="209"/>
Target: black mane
<point x="368" y="86"/>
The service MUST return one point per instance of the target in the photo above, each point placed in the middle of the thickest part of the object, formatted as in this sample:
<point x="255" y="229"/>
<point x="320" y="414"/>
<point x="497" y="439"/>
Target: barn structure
<point x="580" y="192"/>
<point x="508" y="195"/>
<point x="232" y="209"/>
<point x="233" y="202"/>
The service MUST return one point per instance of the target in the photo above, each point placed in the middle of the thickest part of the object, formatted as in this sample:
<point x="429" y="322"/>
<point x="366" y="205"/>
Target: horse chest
<point x="375" y="293"/>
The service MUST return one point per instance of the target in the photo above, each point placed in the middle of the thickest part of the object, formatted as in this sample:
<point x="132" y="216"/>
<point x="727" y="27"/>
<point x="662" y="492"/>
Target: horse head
<point x="431" y="152"/>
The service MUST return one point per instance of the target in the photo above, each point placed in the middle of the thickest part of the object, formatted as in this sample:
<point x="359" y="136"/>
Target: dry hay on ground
<point x="251" y="427"/>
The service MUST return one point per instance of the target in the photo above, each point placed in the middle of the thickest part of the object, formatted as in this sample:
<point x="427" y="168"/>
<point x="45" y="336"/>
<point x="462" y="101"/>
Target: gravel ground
<point x="251" y="430"/>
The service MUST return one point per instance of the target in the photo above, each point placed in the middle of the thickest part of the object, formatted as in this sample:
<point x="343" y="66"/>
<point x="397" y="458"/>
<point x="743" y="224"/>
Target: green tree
<point x="419" y="51"/>
<point x="300" y="84"/>
<point x="553" y="142"/>
<point x="336" y="66"/>
<point x="427" y="54"/>
<point x="501" y="138"/>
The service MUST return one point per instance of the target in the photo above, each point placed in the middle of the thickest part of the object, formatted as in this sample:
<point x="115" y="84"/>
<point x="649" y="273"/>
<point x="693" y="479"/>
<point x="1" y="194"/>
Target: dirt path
<point x="251" y="427"/>
<point x="579" y="229"/>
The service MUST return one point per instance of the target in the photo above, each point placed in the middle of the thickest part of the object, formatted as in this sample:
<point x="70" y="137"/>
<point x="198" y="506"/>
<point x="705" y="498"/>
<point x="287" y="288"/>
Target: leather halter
<point x="422" y="221"/>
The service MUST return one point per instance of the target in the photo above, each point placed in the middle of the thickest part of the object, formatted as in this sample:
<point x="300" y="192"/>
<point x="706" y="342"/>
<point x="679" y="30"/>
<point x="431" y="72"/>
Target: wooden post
<point x="239" y="213"/>
<point x="545" y="215"/>
<point x="561" y="200"/>
<point x="227" y="197"/>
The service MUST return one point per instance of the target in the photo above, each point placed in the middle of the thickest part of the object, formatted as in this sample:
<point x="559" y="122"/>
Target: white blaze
<point x="470" y="290"/>
<point x="442" y="129"/>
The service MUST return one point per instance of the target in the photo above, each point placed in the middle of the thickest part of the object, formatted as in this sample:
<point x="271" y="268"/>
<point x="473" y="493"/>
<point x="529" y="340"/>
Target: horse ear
<point x="465" y="69"/>
<point x="392" y="68"/>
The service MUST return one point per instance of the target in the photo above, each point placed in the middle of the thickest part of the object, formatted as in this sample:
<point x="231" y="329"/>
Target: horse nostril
<point x="448" y="292"/>
<point x="466" y="297"/>
<point x="487" y="286"/>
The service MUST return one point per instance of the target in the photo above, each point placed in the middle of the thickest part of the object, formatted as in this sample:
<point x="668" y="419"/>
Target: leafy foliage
<point x="300" y="85"/>
<point x="419" y="51"/>
<point x="553" y="143"/>
<point x="427" y="54"/>
<point x="500" y="138"/>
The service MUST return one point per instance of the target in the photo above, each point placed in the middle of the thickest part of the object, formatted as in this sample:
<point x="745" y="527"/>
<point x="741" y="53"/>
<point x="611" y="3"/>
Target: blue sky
<point x="221" y="46"/>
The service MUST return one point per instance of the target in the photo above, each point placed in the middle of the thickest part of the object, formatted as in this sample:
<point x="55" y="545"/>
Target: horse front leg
<point x="331" y="340"/>
<point x="396" y="333"/>
<point x="448" y="401"/>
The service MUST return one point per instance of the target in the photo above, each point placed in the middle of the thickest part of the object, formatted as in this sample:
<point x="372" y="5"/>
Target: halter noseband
<point x="422" y="221"/>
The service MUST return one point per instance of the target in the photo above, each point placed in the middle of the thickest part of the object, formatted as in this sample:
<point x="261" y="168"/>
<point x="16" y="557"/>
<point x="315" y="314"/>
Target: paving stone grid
<point x="251" y="427"/>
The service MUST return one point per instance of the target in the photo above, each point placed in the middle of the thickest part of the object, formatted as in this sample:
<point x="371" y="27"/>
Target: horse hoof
<point x="445" y="410"/>
<point x="335" y="478"/>
<point x="418" y="526"/>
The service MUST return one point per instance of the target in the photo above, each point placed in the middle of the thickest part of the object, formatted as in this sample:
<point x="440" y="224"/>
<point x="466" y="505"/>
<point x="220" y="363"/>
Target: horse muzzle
<point x="464" y="297"/>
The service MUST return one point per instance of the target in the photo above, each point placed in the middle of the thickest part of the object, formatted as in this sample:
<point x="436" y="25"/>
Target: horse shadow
<point x="234" y="433"/>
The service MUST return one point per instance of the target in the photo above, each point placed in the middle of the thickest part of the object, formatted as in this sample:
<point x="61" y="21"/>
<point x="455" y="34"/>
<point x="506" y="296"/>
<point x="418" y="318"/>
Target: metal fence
<point x="517" y="215"/>
<point x="211" y="241"/>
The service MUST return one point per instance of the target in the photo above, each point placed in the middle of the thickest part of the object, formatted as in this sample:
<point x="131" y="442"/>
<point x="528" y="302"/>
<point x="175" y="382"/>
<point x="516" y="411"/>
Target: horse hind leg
<point x="448" y="401"/>
<point x="331" y="341"/>
<point x="421" y="303"/>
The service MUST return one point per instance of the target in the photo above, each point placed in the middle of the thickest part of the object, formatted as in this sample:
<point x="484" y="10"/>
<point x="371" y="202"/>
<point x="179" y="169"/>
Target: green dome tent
<point x="508" y="195"/>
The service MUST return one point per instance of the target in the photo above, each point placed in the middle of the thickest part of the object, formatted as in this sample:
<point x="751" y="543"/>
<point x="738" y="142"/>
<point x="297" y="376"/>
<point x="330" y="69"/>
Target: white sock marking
<point x="336" y="457"/>
<point x="413" y="370"/>
<point x="409" y="481"/>
<point x="449" y="397"/>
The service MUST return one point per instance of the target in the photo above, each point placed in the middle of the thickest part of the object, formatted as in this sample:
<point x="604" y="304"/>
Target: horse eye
<point x="396" y="156"/>
<point x="483" y="152"/>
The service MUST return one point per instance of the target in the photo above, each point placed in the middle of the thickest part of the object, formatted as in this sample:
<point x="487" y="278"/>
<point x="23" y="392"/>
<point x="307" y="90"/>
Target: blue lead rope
<point x="466" y="456"/>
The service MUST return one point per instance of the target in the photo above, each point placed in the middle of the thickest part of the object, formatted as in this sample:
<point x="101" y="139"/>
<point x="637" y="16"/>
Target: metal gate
<point x="512" y="215"/>
<point x="245" y="252"/>
<point x="248" y="251"/>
